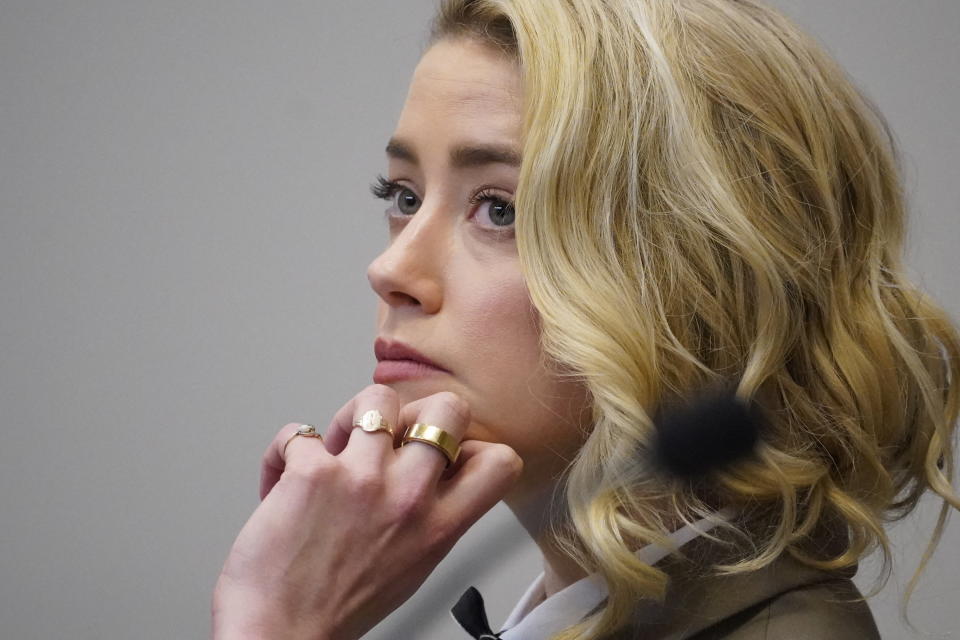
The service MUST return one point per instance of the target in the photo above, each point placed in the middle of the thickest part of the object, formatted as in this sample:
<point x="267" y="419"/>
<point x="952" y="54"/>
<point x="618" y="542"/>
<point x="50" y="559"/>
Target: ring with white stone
<point x="306" y="430"/>
<point x="372" y="421"/>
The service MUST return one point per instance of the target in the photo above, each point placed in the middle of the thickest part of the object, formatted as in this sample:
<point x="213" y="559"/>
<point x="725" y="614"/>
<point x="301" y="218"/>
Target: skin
<point x="450" y="286"/>
<point x="454" y="291"/>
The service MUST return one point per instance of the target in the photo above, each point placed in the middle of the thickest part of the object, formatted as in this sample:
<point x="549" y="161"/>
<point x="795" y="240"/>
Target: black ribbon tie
<point x="470" y="613"/>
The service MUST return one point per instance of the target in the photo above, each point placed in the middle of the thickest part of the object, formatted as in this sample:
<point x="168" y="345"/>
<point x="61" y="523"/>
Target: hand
<point x="350" y="527"/>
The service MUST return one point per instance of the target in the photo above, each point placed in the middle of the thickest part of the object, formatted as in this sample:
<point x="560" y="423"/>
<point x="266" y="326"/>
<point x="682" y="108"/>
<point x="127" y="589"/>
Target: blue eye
<point x="387" y="189"/>
<point x="502" y="213"/>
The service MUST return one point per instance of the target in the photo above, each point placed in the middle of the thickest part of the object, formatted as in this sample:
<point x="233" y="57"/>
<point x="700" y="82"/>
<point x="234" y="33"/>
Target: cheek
<point x="498" y="322"/>
<point x="522" y="403"/>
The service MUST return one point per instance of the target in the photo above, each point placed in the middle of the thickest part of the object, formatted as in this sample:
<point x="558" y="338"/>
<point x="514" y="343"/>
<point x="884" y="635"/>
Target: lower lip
<point x="394" y="370"/>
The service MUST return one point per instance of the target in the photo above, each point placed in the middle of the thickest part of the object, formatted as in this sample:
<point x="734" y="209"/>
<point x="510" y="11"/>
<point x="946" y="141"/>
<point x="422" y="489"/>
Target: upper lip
<point x="395" y="350"/>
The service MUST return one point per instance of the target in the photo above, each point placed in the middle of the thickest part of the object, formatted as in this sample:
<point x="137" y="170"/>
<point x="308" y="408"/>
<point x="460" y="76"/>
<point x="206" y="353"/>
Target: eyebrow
<point x="461" y="156"/>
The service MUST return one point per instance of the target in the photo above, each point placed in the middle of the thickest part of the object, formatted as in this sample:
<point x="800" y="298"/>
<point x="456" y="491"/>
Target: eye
<point x="385" y="189"/>
<point x="501" y="212"/>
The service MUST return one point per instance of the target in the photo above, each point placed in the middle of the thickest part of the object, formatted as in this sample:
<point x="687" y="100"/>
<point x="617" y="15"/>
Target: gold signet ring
<point x="372" y="421"/>
<point x="435" y="437"/>
<point x="306" y="430"/>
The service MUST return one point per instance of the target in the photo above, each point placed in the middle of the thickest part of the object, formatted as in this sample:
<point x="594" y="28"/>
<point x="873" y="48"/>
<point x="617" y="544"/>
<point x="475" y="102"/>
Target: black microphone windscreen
<point x="709" y="432"/>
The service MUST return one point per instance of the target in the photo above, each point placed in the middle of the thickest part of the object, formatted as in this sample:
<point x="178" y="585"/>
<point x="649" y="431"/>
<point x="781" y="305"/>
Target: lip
<point x="388" y="371"/>
<point x="398" y="361"/>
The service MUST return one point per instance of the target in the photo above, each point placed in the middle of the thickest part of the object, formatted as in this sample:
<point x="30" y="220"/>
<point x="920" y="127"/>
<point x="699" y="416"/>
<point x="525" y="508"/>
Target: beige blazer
<point x="785" y="600"/>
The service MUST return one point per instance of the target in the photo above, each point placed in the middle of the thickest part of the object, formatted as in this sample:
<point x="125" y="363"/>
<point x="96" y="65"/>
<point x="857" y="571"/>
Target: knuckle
<point x="278" y="439"/>
<point x="456" y="403"/>
<point x="380" y="391"/>
<point x="507" y="459"/>
<point x="364" y="486"/>
<point x="410" y="504"/>
<point x="315" y="474"/>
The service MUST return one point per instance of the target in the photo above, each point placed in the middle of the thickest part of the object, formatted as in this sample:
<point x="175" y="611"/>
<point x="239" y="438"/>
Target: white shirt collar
<point x="536" y="618"/>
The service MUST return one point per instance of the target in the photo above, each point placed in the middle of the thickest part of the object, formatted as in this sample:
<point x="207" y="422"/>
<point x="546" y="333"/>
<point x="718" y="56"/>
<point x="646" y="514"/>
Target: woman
<point x="598" y="209"/>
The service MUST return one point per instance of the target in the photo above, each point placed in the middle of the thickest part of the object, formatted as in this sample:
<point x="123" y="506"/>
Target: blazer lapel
<point x="694" y="601"/>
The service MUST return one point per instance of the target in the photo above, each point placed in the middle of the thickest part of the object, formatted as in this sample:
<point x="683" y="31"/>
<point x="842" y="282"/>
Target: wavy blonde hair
<point x="706" y="196"/>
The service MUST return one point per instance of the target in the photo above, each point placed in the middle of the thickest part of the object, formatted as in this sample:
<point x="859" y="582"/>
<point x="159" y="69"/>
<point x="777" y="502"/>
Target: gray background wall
<point x="184" y="229"/>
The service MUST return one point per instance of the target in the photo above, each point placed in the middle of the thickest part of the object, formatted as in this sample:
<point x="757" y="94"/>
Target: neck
<point x="531" y="507"/>
<point x="532" y="510"/>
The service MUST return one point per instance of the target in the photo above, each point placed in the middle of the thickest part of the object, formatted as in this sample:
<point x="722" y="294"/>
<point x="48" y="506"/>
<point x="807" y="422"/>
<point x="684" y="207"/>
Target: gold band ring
<point x="372" y="421"/>
<point x="306" y="430"/>
<point x="435" y="437"/>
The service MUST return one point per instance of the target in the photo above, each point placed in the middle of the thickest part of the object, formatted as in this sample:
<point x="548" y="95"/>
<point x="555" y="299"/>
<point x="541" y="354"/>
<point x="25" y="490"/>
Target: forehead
<point x="464" y="85"/>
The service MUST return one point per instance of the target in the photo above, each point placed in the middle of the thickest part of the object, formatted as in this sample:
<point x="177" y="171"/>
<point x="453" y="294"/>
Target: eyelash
<point x="386" y="189"/>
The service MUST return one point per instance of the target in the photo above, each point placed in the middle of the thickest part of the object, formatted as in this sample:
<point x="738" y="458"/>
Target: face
<point x="449" y="280"/>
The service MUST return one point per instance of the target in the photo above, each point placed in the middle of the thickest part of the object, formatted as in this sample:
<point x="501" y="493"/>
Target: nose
<point x="409" y="271"/>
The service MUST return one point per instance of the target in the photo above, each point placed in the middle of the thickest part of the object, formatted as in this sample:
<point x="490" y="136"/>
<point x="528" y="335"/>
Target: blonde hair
<point x="706" y="196"/>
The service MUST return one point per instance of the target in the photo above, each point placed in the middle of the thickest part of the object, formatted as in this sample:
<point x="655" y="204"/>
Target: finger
<point x="484" y="477"/>
<point x="370" y="448"/>
<point x="423" y="463"/>
<point x="279" y="452"/>
<point x="335" y="438"/>
<point x="341" y="427"/>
